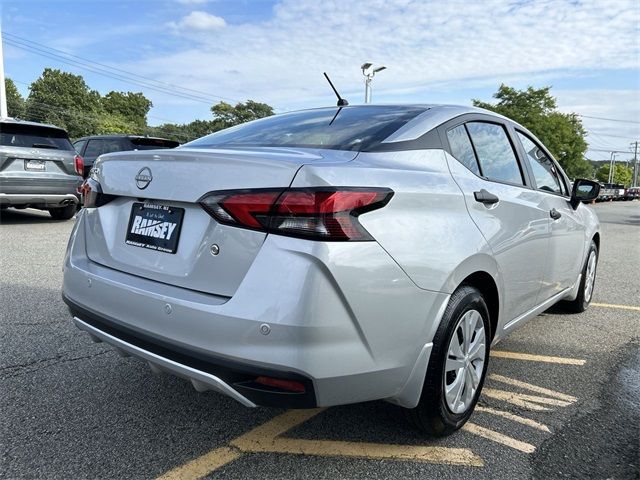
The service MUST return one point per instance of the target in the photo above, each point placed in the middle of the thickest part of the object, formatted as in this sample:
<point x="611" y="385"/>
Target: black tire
<point x="63" y="213"/>
<point x="432" y="415"/>
<point x="581" y="303"/>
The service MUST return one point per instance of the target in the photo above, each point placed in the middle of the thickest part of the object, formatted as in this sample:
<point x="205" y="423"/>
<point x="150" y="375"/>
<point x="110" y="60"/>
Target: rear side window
<point x="496" y="156"/>
<point x="544" y="170"/>
<point x="462" y="149"/>
<point x="33" y="136"/>
<point x="94" y="148"/>
<point x="79" y="145"/>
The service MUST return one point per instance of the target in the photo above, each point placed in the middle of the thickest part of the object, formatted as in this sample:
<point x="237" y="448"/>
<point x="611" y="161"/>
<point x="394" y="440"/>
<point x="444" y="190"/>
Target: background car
<point x="333" y="256"/>
<point x="39" y="168"/>
<point x="92" y="147"/>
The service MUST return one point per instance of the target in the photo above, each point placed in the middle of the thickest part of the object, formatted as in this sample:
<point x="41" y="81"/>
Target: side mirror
<point x="584" y="191"/>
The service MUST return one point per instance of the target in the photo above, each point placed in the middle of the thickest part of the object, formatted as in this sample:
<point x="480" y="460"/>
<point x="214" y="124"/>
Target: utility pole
<point x="3" y="88"/>
<point x="635" y="163"/>
<point x="612" y="165"/>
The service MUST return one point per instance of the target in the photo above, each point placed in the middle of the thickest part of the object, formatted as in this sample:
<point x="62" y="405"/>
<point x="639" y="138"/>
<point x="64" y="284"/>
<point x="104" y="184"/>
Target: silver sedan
<point x="333" y="256"/>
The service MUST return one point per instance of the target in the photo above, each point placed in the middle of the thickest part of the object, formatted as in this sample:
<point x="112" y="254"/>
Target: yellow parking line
<point x="370" y="451"/>
<point x="533" y="388"/>
<point x="499" y="438"/>
<point x="537" y="358"/>
<point x="613" y="305"/>
<point x="203" y="465"/>
<point x="265" y="439"/>
<point x="531" y="402"/>
<point x="515" y="418"/>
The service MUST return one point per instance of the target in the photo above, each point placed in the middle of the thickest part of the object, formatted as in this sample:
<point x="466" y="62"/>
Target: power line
<point x="170" y="90"/>
<point x="111" y="67"/>
<point x="608" y="119"/>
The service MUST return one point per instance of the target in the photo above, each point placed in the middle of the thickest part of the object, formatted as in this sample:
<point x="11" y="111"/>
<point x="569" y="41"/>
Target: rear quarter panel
<point x="425" y="227"/>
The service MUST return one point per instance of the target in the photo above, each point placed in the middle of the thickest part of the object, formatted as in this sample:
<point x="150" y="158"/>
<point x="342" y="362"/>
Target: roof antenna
<point x="342" y="102"/>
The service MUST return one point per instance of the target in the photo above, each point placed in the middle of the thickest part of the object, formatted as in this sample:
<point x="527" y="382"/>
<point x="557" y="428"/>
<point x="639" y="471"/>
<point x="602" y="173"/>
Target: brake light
<point x="79" y="164"/>
<point x="314" y="213"/>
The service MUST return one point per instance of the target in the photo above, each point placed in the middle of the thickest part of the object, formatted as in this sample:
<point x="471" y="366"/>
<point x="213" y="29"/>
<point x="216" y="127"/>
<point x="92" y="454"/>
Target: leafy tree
<point x="65" y="100"/>
<point x="563" y="134"/>
<point x="621" y="174"/>
<point x="113" y="123"/>
<point x="131" y="107"/>
<point x="228" y="115"/>
<point x="15" y="102"/>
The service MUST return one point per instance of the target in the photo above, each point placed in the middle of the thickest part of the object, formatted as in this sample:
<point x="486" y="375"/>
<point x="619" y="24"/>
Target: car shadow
<point x="12" y="216"/>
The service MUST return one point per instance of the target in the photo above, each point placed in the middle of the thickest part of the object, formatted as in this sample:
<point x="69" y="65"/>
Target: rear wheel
<point x="457" y="366"/>
<point x="587" y="283"/>
<point x="64" y="213"/>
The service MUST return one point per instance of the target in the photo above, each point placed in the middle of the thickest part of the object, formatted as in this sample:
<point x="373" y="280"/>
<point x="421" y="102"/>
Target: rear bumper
<point x="51" y="200"/>
<point x="205" y="372"/>
<point x="344" y="320"/>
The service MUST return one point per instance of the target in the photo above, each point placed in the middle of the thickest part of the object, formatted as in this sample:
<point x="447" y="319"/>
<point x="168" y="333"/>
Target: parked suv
<point x="39" y="168"/>
<point x="333" y="256"/>
<point x="92" y="147"/>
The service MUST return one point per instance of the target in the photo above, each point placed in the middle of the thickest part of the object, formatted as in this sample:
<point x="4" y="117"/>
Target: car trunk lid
<point x="209" y="257"/>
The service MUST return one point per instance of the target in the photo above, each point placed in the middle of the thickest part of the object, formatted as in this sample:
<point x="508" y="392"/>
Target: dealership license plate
<point x="37" y="165"/>
<point x="156" y="227"/>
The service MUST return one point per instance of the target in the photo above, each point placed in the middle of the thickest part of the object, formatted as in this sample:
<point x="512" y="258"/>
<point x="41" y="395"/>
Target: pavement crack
<point x="23" y="369"/>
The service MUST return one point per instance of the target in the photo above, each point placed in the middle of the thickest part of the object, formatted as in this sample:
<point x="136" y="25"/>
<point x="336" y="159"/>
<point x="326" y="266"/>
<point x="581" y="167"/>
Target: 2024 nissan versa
<point x="329" y="256"/>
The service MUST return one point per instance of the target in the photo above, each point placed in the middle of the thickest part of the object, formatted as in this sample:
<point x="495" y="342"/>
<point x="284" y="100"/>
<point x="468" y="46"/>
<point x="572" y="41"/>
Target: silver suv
<point x="39" y="168"/>
<point x="333" y="256"/>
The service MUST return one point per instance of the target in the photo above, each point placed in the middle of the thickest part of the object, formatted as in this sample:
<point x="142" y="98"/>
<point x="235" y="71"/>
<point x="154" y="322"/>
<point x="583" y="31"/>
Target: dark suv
<point x="38" y="168"/>
<point x="92" y="147"/>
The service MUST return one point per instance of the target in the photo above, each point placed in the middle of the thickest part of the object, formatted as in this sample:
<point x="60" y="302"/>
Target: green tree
<point x="15" y="102"/>
<point x="228" y="115"/>
<point x="563" y="134"/>
<point x="132" y="107"/>
<point x="65" y="100"/>
<point x="621" y="174"/>
<point x="113" y="123"/>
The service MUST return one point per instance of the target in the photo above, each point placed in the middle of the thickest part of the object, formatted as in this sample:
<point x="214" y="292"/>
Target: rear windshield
<point x="349" y="128"/>
<point x="30" y="136"/>
<point x="152" y="143"/>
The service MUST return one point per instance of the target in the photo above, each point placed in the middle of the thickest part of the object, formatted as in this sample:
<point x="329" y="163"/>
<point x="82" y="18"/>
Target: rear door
<point x="503" y="206"/>
<point x="566" y="230"/>
<point x="94" y="148"/>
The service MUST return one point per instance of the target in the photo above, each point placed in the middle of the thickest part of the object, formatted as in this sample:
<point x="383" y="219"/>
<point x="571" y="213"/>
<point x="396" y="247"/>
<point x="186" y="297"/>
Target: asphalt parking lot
<point x="562" y="399"/>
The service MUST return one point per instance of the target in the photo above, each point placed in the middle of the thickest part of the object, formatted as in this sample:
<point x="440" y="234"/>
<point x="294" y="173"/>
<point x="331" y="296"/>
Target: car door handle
<point x="555" y="214"/>
<point x="485" y="197"/>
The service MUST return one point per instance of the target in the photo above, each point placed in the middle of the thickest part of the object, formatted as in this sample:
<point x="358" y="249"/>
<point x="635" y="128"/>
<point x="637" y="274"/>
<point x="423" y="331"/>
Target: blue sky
<point x="276" y="51"/>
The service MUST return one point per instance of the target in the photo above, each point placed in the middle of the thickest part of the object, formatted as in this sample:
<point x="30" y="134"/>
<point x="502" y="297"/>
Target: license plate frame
<point x="35" y="165"/>
<point x="155" y="227"/>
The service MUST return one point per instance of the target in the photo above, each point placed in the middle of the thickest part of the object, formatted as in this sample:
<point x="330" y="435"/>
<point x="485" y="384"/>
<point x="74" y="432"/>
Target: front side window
<point x="462" y="149"/>
<point x="544" y="170"/>
<point x="496" y="156"/>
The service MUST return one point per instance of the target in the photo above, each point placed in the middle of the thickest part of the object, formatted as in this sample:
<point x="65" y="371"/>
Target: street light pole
<point x="369" y="71"/>
<point x="635" y="164"/>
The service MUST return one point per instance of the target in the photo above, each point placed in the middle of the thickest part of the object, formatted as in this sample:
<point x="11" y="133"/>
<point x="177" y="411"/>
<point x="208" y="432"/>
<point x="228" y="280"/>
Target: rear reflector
<point x="313" y="213"/>
<point x="289" y="385"/>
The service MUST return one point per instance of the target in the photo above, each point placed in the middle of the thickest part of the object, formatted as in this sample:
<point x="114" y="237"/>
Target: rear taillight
<point x="92" y="195"/>
<point x="314" y="213"/>
<point x="79" y="164"/>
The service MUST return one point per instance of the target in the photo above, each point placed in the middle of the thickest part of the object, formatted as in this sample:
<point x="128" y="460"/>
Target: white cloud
<point x="199" y="21"/>
<point x="192" y="2"/>
<point x="424" y="44"/>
